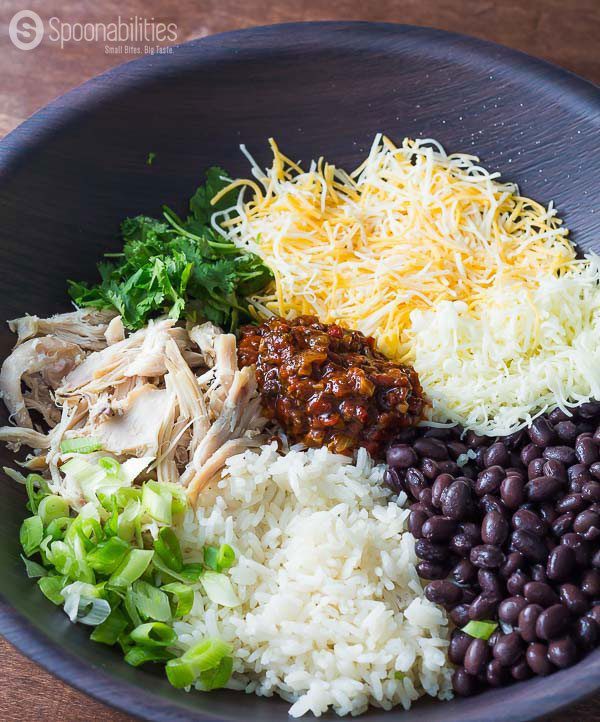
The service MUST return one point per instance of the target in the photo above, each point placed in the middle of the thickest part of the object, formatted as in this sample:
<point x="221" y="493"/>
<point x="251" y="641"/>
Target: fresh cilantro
<point x="181" y="268"/>
<point x="150" y="158"/>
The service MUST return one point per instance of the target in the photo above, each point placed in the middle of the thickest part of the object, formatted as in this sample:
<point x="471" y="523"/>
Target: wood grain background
<point x="565" y="32"/>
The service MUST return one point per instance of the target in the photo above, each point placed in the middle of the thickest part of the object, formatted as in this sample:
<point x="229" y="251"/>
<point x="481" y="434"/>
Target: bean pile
<point x="508" y="530"/>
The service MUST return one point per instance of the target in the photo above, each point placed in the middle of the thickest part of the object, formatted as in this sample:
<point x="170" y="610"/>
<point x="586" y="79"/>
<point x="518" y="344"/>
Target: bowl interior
<point x="73" y="171"/>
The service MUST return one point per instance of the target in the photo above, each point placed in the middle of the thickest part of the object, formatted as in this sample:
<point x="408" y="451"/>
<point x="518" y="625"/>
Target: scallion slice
<point x="31" y="534"/>
<point x="140" y="655"/>
<point x="109" y="631"/>
<point x="154" y="634"/>
<point x="93" y="611"/>
<point x="157" y="502"/>
<point x="108" y="555"/>
<point x="168" y="549"/>
<point x="51" y="588"/>
<point x="184" y="595"/>
<point x="151" y="603"/>
<point x="216" y="678"/>
<point x="225" y="557"/>
<point x="211" y="555"/>
<point x="33" y="569"/>
<point x="131" y="568"/>
<point x="110" y="465"/>
<point x="480" y="630"/>
<point x="52" y="507"/>
<point x="82" y="445"/>
<point x="207" y="655"/>
<point x="219" y="590"/>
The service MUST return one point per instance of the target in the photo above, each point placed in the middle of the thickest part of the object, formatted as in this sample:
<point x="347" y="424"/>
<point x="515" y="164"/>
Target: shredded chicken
<point x="150" y="396"/>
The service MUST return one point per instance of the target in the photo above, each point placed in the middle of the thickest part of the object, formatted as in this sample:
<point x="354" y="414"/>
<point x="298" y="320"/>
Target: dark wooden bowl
<point x="71" y="172"/>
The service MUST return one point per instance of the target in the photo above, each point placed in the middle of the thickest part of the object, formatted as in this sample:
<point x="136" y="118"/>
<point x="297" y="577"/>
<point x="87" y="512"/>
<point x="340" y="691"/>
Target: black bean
<point x="444" y="433"/>
<point x="489" y="480"/>
<point x="490" y="583"/>
<point x="460" y="615"/>
<point x="563" y="523"/>
<point x="566" y="431"/>
<point x="529" y="453"/>
<point x="516" y="582"/>
<point x="595" y="467"/>
<point x="496" y="455"/>
<point x="561" y="561"/>
<point x="512" y="491"/>
<point x="487" y="556"/>
<point x="514" y="561"/>
<point x="587" y="523"/>
<point x="573" y="599"/>
<point x="447" y="466"/>
<point x="586" y="633"/>
<point x="589" y="409"/>
<point x="456" y="449"/>
<point x="552" y="622"/>
<point x="510" y="608"/>
<point x="393" y="480"/>
<point x="471" y="530"/>
<point x="443" y="592"/>
<point x="468" y="595"/>
<point x="464" y="684"/>
<point x="594" y="613"/>
<point x="414" y="481"/>
<point x="571" y="502"/>
<point x="441" y="483"/>
<point x="535" y="468"/>
<point x="547" y="512"/>
<point x="464" y="572"/>
<point x="540" y="593"/>
<point x="489" y="503"/>
<point x="473" y="440"/>
<point x="520" y="671"/>
<point x="458" y="646"/>
<point x="590" y="583"/>
<point x="476" y="657"/>
<point x="596" y="560"/>
<point x="495" y="673"/>
<point x="529" y="545"/>
<point x="456" y="500"/>
<point x="416" y="520"/>
<point x="543" y="488"/>
<point x="483" y="607"/>
<point x="564" y="454"/>
<point x="527" y="621"/>
<point x="537" y="659"/>
<point x="433" y="448"/>
<point x="556" y="469"/>
<point x="429" y="468"/>
<point x="586" y="450"/>
<point x="439" y="528"/>
<point x="530" y="522"/>
<point x="401" y="456"/>
<point x="425" y="499"/>
<point x="494" y="528"/>
<point x="583" y="555"/>
<point x="425" y="549"/>
<point x="541" y="432"/>
<point x="578" y="474"/>
<point x="461" y="545"/>
<point x="432" y="570"/>
<point x="591" y="491"/>
<point x="562" y="652"/>
<point x="508" y="649"/>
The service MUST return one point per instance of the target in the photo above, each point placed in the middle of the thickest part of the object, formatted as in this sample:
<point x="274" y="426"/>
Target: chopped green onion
<point x="31" y="534"/>
<point x="51" y="588"/>
<point x="108" y="555"/>
<point x="33" y="496"/>
<point x="189" y="574"/>
<point x="154" y="634"/>
<point x="82" y="445"/>
<point x="57" y="527"/>
<point x="219" y="590"/>
<point x="184" y="595"/>
<point x="131" y="608"/>
<point x="52" y="507"/>
<point x="216" y="678"/>
<point x="109" y="631"/>
<point x="480" y="630"/>
<point x="210" y="558"/>
<point x="168" y="549"/>
<point x="33" y="569"/>
<point x="128" y="518"/>
<point x="131" y="568"/>
<point x="225" y="557"/>
<point x="110" y="465"/>
<point x="157" y="502"/>
<point x="140" y="655"/>
<point x="151" y="603"/>
<point x="205" y="656"/>
<point x="92" y="611"/>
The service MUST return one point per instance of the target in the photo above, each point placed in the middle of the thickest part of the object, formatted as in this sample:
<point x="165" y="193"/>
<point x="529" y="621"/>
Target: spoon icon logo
<point x="26" y="30"/>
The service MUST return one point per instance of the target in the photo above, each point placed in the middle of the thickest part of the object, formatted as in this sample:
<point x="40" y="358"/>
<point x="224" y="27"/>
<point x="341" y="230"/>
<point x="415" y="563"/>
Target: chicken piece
<point x="136" y="431"/>
<point x="239" y="418"/>
<point x="85" y="327"/>
<point x="50" y="356"/>
<point x="39" y="398"/>
<point x="204" y="336"/>
<point x="14" y="436"/>
<point x="115" y="331"/>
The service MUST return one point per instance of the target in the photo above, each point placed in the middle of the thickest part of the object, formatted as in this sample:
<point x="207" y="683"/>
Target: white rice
<point x="333" y="613"/>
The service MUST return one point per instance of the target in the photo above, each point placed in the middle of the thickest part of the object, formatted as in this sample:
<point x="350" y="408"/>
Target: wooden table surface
<point x="566" y="32"/>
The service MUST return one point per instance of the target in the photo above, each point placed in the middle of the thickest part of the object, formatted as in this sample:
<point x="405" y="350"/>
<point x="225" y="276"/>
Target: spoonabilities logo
<point x="26" y="30"/>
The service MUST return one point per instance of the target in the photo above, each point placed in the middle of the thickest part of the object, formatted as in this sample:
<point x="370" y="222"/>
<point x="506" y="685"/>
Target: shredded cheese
<point x="411" y="227"/>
